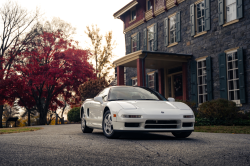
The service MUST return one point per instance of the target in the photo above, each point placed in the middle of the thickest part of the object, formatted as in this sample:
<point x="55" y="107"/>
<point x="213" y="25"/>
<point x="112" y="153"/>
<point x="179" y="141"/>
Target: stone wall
<point x="217" y="39"/>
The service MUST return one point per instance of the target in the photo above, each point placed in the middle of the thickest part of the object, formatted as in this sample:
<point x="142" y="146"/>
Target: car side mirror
<point x="170" y="99"/>
<point x="98" y="99"/>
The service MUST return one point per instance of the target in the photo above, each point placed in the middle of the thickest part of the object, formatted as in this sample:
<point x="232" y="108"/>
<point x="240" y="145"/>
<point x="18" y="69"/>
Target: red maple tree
<point x="50" y="66"/>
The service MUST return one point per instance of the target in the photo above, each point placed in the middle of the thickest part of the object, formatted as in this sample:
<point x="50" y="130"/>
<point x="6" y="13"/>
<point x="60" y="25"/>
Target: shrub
<point x="219" y="108"/>
<point x="74" y="115"/>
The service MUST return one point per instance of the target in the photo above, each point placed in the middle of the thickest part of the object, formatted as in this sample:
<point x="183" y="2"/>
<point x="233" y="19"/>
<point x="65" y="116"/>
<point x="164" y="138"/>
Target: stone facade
<point x="216" y="40"/>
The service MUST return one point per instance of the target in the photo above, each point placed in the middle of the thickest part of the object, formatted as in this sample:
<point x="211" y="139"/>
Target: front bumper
<point x="143" y="125"/>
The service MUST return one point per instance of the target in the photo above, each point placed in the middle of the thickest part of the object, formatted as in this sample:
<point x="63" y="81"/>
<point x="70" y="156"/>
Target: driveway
<point x="67" y="145"/>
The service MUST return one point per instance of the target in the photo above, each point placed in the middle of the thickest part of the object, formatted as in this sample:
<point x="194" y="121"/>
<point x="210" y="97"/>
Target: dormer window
<point x="133" y="14"/>
<point x="149" y="5"/>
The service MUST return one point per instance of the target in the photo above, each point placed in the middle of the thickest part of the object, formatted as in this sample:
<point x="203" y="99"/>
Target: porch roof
<point x="154" y="59"/>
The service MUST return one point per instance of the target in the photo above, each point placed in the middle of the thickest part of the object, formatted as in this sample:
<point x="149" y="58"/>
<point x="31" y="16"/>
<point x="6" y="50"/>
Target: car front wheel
<point x="181" y="134"/>
<point x="107" y="126"/>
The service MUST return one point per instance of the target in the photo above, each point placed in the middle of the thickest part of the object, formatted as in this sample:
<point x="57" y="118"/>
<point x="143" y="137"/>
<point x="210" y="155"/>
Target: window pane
<point x="200" y="90"/>
<point x="236" y="73"/>
<point x="198" y="11"/>
<point x="204" y="63"/>
<point x="235" y="64"/>
<point x="231" y="95"/>
<point x="199" y="72"/>
<point x="204" y="71"/>
<point x="230" y="74"/>
<point x="199" y="80"/>
<point x="231" y="85"/>
<point x="199" y="65"/>
<point x="237" y="95"/>
<point x="235" y="55"/>
<point x="230" y="65"/>
<point x="200" y="98"/>
<point x="229" y="57"/>
<point x="205" y="88"/>
<point x="237" y="84"/>
<point x="205" y="99"/>
<point x="231" y="12"/>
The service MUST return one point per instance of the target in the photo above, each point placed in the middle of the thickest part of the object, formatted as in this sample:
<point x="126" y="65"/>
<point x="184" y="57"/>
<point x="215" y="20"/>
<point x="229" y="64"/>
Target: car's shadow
<point x="147" y="136"/>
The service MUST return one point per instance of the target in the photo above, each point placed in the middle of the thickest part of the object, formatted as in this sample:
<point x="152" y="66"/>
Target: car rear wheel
<point x="181" y="134"/>
<point x="107" y="126"/>
<point x="84" y="127"/>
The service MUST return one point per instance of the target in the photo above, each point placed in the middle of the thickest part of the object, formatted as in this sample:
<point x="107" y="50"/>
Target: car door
<point x="98" y="108"/>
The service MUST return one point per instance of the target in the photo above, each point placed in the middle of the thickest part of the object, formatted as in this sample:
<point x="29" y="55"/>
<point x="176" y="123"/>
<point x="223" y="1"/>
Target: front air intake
<point x="132" y="124"/>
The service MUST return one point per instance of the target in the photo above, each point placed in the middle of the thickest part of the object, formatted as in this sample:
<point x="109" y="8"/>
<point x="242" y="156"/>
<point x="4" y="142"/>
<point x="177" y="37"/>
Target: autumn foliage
<point x="92" y="87"/>
<point x="50" y="66"/>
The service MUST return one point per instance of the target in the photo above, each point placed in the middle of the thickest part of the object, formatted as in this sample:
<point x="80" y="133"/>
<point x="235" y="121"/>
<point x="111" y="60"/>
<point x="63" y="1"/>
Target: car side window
<point x="104" y="94"/>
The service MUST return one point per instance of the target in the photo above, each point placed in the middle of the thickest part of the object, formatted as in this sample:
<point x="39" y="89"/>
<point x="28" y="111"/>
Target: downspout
<point x="143" y="75"/>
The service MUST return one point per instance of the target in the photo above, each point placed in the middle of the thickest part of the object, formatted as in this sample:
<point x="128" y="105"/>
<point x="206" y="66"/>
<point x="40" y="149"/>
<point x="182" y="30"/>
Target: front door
<point x="175" y="86"/>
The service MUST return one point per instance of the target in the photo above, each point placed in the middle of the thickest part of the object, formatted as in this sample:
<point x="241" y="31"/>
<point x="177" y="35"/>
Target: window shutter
<point x="146" y="80"/>
<point x="223" y="75"/>
<point x="129" y="45"/>
<point x="207" y="15"/>
<point x="209" y="78"/>
<point x="194" y="94"/>
<point x="178" y="26"/>
<point x="192" y="20"/>
<point x="138" y="41"/>
<point x="156" y="81"/>
<point x="239" y="9"/>
<point x="155" y="36"/>
<point x="130" y="82"/>
<point x="241" y="75"/>
<point x="166" y="31"/>
<point x="221" y="11"/>
<point x="145" y="39"/>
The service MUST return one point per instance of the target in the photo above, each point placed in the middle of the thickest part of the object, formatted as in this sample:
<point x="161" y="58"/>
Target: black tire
<point x="182" y="134"/>
<point x="84" y="127"/>
<point x="112" y="134"/>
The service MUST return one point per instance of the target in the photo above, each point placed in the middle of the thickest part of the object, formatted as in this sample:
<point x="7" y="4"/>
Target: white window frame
<point x="204" y="79"/>
<point x="235" y="12"/>
<point x="202" y="17"/>
<point x="134" y="81"/>
<point x="153" y="81"/>
<point x="234" y="69"/>
<point x="150" y="38"/>
<point x="133" y="40"/>
<point x="147" y="9"/>
<point x="174" y="30"/>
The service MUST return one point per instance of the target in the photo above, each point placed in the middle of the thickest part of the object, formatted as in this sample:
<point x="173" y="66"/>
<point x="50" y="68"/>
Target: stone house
<point x="196" y="50"/>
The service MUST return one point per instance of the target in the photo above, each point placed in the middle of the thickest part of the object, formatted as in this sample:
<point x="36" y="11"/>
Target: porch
<point x="172" y="71"/>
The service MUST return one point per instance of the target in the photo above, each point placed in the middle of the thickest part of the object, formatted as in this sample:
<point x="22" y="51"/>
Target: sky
<point x="80" y="13"/>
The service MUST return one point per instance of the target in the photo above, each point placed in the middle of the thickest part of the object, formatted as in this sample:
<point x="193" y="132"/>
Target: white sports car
<point x="120" y="109"/>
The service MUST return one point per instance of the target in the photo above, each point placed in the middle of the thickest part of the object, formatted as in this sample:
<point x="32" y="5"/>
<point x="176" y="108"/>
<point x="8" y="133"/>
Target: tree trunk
<point x="42" y="119"/>
<point x="1" y="115"/>
<point x="28" y="117"/>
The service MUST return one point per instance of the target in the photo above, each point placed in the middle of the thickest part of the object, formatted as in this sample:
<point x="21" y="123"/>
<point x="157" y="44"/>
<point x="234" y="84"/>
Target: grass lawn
<point x="223" y="129"/>
<point x="18" y="129"/>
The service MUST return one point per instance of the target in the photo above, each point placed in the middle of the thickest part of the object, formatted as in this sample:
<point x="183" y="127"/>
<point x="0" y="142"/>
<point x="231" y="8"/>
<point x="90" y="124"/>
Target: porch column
<point x="166" y="88"/>
<point x="161" y="81"/>
<point x="139" y="73"/>
<point x="184" y="80"/>
<point x="120" y="75"/>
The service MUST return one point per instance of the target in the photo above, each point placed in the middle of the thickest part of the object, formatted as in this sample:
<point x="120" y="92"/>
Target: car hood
<point x="153" y="105"/>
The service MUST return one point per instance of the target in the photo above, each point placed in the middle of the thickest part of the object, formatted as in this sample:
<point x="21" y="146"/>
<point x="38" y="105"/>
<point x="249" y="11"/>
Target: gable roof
<point x="125" y="8"/>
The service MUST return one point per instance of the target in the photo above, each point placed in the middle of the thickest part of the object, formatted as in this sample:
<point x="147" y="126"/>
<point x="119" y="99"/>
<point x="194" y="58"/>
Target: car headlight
<point x="131" y="116"/>
<point x="188" y="116"/>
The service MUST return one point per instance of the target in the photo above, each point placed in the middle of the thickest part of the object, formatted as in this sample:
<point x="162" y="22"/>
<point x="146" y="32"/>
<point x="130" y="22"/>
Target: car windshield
<point x="133" y="93"/>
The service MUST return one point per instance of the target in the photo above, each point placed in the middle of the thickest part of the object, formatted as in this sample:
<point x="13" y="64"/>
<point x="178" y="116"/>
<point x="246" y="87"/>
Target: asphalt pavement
<point x="67" y="145"/>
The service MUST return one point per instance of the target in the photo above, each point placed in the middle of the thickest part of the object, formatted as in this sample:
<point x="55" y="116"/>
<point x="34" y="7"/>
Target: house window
<point x="230" y="10"/>
<point x="151" y="80"/>
<point x="233" y="77"/>
<point x="172" y="29"/>
<point x="134" y="43"/>
<point x="133" y="14"/>
<point x="202" y="81"/>
<point x="134" y="81"/>
<point x="151" y="38"/>
<point x="200" y="17"/>
<point x="149" y="5"/>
